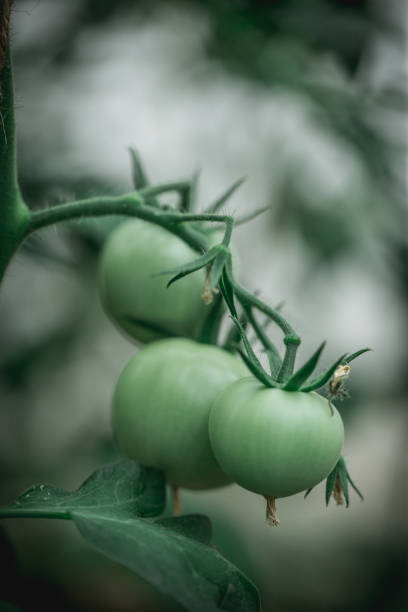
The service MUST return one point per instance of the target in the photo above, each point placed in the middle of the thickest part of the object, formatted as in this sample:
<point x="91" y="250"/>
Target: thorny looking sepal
<point x="252" y="361"/>
<point x="337" y="485"/>
<point x="214" y="260"/>
<point x="322" y="379"/>
<point x="296" y="381"/>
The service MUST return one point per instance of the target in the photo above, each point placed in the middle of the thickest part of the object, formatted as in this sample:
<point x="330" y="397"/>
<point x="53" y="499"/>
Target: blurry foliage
<point x="313" y="50"/>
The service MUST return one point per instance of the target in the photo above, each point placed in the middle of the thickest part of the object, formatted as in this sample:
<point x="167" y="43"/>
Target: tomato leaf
<point x="296" y="381"/>
<point x="215" y="206"/>
<point x="195" y="526"/>
<point x="322" y="379"/>
<point x="121" y="489"/>
<point x="172" y="553"/>
<point x="194" y="573"/>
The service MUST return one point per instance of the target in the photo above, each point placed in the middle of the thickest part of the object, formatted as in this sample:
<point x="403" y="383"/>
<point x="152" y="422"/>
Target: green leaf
<point x="195" y="574"/>
<point x="120" y="489"/>
<point x="215" y="206"/>
<point x="322" y="379"/>
<point x="296" y="381"/>
<point x="354" y="355"/>
<point x="172" y="553"/>
<point x="195" y="526"/>
<point x="190" y="267"/>
<point x="330" y="482"/>
<point x="307" y="492"/>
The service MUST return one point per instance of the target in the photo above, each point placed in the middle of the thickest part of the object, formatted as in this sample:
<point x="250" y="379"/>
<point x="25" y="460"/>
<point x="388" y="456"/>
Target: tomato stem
<point x="271" y="516"/>
<point x="130" y="204"/>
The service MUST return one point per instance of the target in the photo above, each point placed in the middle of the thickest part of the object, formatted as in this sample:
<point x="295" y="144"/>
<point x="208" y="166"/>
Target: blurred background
<point x="308" y="101"/>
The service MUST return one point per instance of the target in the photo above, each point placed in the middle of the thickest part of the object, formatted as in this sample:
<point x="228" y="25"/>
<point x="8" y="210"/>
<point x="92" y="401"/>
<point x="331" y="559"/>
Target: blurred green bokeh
<point x="308" y="101"/>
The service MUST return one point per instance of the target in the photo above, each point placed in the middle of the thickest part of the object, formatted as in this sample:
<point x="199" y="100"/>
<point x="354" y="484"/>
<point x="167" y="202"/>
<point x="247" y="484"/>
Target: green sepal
<point x="321" y="380"/>
<point x="215" y="206"/>
<point x="307" y="492"/>
<point x="228" y="293"/>
<point x="296" y="381"/>
<point x="330" y="482"/>
<point x="270" y="349"/>
<point x="274" y="360"/>
<point x="234" y="335"/>
<point x="189" y="196"/>
<point x="350" y="358"/>
<point x="139" y="176"/>
<point x="140" y="179"/>
<point x="211" y="326"/>
<point x="252" y="360"/>
<point x="258" y="373"/>
<point x="354" y="486"/>
<point x="217" y="267"/>
<point x="245" y="218"/>
<point x="342" y="476"/>
<point x="339" y="471"/>
<point x="190" y="267"/>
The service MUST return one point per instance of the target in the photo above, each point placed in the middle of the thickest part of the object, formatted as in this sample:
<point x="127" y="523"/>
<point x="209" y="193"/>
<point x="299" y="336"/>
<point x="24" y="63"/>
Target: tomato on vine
<point x="161" y="405"/>
<point x="135" y="297"/>
<point x="274" y="442"/>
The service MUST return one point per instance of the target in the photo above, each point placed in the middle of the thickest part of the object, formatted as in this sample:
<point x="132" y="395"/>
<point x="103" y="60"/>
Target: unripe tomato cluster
<point x="192" y="409"/>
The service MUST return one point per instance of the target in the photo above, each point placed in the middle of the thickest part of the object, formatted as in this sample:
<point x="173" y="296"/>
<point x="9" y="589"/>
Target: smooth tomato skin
<point x="273" y="442"/>
<point x="131" y="293"/>
<point x="161" y="405"/>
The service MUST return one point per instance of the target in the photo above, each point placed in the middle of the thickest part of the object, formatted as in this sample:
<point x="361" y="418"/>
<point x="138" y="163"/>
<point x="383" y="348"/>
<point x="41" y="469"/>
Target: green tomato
<point x="136" y="300"/>
<point x="161" y="405"/>
<point x="274" y="442"/>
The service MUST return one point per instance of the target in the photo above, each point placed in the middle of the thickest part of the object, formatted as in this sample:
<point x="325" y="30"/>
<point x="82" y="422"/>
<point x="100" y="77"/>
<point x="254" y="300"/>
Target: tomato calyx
<point x="337" y="485"/>
<point x="299" y="381"/>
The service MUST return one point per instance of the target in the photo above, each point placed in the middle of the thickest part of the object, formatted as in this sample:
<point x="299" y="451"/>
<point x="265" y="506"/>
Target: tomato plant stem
<point x="13" y="211"/>
<point x="131" y="204"/>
